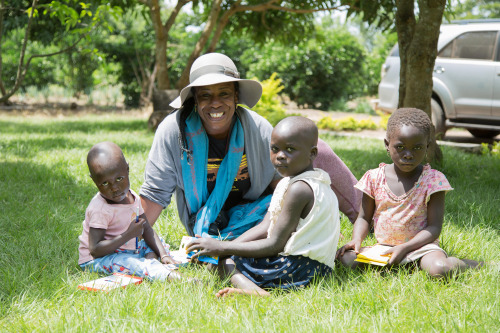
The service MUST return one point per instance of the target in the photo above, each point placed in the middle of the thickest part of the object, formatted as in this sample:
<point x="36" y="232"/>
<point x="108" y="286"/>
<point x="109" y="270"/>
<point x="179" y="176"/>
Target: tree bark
<point x="2" y="12"/>
<point x="200" y="44"/>
<point x="160" y="44"/>
<point x="417" y="40"/>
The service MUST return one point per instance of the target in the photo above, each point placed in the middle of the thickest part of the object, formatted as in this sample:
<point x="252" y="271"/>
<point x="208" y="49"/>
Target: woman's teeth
<point x="216" y="115"/>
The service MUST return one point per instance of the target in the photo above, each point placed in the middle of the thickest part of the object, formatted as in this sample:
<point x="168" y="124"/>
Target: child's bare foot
<point x="230" y="291"/>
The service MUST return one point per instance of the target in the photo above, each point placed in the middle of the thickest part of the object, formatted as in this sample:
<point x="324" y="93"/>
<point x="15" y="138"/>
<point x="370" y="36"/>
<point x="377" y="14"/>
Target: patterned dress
<point x="397" y="219"/>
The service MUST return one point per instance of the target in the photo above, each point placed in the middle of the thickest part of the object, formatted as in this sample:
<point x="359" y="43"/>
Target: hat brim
<point x="250" y="91"/>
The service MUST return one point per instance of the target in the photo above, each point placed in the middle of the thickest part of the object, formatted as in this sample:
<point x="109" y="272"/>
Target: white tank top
<point x="317" y="235"/>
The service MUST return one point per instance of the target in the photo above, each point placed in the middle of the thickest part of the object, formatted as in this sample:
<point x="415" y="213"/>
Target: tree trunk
<point x="160" y="45"/>
<point x="417" y="51"/>
<point x="209" y="27"/>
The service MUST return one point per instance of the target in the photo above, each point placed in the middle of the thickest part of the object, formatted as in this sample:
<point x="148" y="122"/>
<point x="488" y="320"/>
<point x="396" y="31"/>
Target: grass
<point x="45" y="189"/>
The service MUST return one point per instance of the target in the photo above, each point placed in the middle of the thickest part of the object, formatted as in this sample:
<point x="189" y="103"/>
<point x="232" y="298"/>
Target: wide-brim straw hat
<point x="214" y="68"/>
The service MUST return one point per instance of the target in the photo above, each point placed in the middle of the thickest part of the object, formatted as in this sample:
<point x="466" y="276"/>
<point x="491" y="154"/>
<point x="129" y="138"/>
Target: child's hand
<point x="135" y="229"/>
<point x="397" y="253"/>
<point x="206" y="247"/>
<point x="166" y="259"/>
<point x="352" y="245"/>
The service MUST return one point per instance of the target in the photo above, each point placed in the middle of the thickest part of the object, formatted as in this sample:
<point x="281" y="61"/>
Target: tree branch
<point x="214" y="14"/>
<point x="20" y="71"/>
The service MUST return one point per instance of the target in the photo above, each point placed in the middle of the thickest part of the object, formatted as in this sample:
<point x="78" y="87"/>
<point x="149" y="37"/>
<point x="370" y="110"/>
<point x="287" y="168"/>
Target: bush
<point x="317" y="72"/>
<point x="493" y="149"/>
<point x="384" y="118"/>
<point x="269" y="105"/>
<point x="346" y="124"/>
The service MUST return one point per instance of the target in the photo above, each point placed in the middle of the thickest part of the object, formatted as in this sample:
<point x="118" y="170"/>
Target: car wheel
<point x="484" y="134"/>
<point x="438" y="119"/>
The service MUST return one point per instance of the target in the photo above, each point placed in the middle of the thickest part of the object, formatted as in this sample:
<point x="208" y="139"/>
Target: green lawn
<point x="45" y="188"/>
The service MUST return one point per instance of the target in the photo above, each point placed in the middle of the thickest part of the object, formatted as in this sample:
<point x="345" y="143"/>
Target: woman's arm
<point x="152" y="210"/>
<point x="297" y="203"/>
<point x="361" y="226"/>
<point x="100" y="247"/>
<point x="435" y="215"/>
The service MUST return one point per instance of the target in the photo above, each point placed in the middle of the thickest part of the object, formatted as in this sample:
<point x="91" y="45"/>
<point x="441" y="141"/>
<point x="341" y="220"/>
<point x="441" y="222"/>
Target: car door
<point x="466" y="67"/>
<point x="495" y="108"/>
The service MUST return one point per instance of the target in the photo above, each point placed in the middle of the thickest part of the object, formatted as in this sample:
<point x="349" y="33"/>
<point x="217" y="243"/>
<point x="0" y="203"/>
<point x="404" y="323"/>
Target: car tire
<point x="438" y="119"/>
<point x="483" y="134"/>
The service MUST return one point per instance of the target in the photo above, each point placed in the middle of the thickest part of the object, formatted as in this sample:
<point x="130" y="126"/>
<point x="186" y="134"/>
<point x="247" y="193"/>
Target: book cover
<point x="373" y="255"/>
<point x="107" y="283"/>
<point x="185" y="241"/>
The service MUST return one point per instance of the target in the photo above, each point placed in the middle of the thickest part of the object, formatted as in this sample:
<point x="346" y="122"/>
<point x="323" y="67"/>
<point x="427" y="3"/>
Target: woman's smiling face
<point x="216" y="106"/>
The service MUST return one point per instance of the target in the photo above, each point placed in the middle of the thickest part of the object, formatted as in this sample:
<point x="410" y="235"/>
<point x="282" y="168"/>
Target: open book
<point x="107" y="283"/>
<point x="373" y="255"/>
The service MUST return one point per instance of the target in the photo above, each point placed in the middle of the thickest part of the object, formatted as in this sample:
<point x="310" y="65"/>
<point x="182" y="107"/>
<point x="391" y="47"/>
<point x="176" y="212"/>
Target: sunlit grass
<point x="45" y="188"/>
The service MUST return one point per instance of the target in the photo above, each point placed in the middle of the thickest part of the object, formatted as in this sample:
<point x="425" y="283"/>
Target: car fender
<point x="444" y="96"/>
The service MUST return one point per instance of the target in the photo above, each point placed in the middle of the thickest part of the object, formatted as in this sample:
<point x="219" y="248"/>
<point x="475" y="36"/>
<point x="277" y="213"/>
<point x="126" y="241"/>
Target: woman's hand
<point x="205" y="247"/>
<point x="352" y="245"/>
<point x="397" y="253"/>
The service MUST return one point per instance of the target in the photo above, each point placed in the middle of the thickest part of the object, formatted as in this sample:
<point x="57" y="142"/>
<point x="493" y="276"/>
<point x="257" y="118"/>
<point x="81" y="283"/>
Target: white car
<point x="466" y="79"/>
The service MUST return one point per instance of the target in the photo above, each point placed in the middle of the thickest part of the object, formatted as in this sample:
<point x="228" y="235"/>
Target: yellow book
<point x="373" y="255"/>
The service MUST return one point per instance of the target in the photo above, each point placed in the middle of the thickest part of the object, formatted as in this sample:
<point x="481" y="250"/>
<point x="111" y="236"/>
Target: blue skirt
<point x="284" y="272"/>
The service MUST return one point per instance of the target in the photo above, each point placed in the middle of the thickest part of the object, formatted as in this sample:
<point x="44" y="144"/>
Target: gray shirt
<point x="163" y="174"/>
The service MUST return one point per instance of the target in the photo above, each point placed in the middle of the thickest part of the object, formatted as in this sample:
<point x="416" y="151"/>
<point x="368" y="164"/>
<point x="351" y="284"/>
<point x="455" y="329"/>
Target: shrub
<point x="269" y="105"/>
<point x="346" y="124"/>
<point x="384" y="118"/>
<point x="317" y="72"/>
<point x="493" y="149"/>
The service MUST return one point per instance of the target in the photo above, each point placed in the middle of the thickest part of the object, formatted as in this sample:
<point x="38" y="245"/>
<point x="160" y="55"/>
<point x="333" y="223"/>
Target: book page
<point x="373" y="255"/>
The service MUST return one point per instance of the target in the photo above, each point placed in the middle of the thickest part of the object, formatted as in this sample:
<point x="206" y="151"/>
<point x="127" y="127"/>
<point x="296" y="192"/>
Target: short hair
<point x="298" y="125"/>
<point x="106" y="154"/>
<point x="410" y="117"/>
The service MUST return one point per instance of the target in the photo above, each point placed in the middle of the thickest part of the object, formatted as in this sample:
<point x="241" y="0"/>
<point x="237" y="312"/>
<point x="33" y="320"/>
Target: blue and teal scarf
<point x="194" y="175"/>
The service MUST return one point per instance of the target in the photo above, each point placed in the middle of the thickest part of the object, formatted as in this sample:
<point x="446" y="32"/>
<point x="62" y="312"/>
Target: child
<point x="298" y="237"/>
<point x="405" y="201"/>
<point x="109" y="241"/>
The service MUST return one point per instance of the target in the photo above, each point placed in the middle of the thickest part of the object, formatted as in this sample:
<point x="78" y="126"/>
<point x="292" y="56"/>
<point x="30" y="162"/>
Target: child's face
<point x="407" y="147"/>
<point x="291" y="155"/>
<point x="113" y="183"/>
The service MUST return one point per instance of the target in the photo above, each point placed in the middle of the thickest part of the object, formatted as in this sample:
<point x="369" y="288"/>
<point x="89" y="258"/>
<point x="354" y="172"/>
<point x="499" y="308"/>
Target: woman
<point x="214" y="154"/>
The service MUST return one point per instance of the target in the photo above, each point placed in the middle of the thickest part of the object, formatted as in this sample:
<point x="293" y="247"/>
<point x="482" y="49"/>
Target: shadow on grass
<point x="43" y="208"/>
<point x="42" y="212"/>
<point x="31" y="138"/>
<point x="88" y="126"/>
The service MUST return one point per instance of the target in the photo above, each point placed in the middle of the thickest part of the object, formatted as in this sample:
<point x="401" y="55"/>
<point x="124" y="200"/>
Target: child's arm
<point x="151" y="238"/>
<point x="361" y="226"/>
<point x="100" y="247"/>
<point x="435" y="215"/>
<point x="297" y="203"/>
<point x="257" y="232"/>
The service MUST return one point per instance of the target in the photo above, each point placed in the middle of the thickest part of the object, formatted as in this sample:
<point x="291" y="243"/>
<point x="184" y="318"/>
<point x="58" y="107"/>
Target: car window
<point x="471" y="45"/>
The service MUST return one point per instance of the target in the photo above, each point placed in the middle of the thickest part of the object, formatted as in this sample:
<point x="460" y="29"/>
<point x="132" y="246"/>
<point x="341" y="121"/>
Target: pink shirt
<point x="114" y="218"/>
<point x="397" y="219"/>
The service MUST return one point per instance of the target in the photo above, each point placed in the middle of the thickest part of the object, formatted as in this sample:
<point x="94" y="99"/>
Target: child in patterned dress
<point x="298" y="237"/>
<point x="405" y="201"/>
<point x="113" y="223"/>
